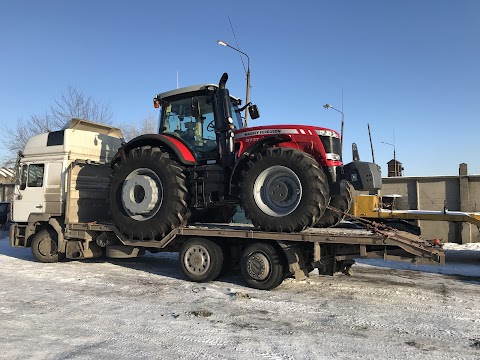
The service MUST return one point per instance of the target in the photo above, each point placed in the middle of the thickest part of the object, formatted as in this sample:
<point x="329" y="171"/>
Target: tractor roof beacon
<point x="202" y="163"/>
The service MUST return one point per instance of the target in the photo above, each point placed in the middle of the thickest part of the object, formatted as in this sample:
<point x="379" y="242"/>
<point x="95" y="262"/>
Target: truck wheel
<point x="283" y="189"/>
<point x="262" y="267"/>
<point x="201" y="260"/>
<point x="148" y="195"/>
<point x="331" y="218"/>
<point x="45" y="247"/>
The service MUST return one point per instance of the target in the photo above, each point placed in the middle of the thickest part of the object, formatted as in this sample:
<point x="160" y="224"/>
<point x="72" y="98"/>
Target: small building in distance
<point x="7" y="181"/>
<point x="395" y="168"/>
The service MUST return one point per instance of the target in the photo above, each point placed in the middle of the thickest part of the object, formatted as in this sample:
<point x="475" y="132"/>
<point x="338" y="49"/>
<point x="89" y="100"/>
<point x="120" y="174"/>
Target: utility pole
<point x="247" y="96"/>
<point x="328" y="106"/>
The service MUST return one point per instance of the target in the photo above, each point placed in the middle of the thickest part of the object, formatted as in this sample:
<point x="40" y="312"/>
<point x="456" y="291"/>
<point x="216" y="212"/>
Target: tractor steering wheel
<point x="211" y="126"/>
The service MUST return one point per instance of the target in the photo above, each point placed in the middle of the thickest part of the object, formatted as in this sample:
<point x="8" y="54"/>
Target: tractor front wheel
<point x="341" y="202"/>
<point x="283" y="189"/>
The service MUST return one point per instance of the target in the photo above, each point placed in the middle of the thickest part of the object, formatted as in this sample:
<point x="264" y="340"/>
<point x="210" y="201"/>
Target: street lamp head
<point x="247" y="72"/>
<point x="327" y="106"/>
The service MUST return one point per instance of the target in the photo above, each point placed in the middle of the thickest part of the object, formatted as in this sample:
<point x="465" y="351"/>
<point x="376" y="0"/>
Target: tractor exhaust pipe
<point x="223" y="81"/>
<point x="224" y="125"/>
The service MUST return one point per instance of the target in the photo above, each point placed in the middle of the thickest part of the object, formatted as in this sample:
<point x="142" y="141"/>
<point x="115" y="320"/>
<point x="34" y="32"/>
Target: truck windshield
<point x="192" y="120"/>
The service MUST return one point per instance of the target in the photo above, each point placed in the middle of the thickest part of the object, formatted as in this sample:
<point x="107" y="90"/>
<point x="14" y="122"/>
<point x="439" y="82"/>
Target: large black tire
<point x="262" y="266"/>
<point x="201" y="260"/>
<point x="148" y="195"/>
<point x="214" y="215"/>
<point x="283" y="189"/>
<point x="331" y="218"/>
<point x="45" y="247"/>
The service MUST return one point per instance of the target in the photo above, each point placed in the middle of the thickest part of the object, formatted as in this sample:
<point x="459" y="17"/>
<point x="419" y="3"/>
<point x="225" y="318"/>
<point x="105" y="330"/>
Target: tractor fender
<point x="173" y="145"/>
<point x="251" y="152"/>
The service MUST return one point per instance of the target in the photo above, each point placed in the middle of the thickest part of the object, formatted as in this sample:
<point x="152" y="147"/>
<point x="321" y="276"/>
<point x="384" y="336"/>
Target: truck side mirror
<point x="253" y="111"/>
<point x="22" y="178"/>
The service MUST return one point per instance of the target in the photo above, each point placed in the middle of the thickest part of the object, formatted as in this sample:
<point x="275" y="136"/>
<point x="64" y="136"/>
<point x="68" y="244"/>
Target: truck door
<point x="29" y="193"/>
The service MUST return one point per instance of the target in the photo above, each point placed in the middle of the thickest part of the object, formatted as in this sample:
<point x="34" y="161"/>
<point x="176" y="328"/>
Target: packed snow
<point x="143" y="309"/>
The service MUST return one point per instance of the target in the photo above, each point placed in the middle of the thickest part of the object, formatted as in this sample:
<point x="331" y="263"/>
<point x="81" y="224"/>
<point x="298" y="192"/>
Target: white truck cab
<point x="42" y="169"/>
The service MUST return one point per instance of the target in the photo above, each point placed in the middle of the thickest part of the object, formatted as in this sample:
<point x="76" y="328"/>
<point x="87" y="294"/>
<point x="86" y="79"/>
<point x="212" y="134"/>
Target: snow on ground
<point x="462" y="260"/>
<point x="143" y="309"/>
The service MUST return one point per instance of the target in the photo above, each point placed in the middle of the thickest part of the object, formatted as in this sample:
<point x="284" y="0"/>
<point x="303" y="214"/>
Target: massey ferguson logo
<point x="262" y="132"/>
<point x="266" y="132"/>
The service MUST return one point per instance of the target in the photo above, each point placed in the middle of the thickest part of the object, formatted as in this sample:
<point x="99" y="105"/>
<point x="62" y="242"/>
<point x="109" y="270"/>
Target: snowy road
<point x="143" y="309"/>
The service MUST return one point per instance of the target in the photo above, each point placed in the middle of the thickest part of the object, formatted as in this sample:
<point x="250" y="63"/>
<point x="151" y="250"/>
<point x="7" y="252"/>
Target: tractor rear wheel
<point x="283" y="189"/>
<point x="330" y="217"/>
<point x="148" y="195"/>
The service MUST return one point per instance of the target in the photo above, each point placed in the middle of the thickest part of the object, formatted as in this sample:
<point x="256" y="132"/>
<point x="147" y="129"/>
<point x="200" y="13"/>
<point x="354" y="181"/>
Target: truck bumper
<point x="364" y="176"/>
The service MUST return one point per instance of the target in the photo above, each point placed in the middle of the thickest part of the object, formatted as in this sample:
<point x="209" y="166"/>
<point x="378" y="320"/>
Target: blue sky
<point x="409" y="68"/>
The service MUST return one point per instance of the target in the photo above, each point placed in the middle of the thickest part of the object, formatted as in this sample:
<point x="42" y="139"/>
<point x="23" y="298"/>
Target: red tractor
<point x="203" y="163"/>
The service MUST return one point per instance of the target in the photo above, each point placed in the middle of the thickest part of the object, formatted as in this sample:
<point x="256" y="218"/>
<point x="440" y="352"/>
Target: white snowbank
<point x="462" y="247"/>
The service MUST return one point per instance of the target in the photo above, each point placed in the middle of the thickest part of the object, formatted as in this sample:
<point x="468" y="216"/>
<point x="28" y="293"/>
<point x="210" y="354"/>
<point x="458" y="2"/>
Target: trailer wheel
<point x="262" y="266"/>
<point x="148" y="195"/>
<point x="283" y="189"/>
<point x="331" y="218"/>
<point x="45" y="247"/>
<point x="201" y="260"/>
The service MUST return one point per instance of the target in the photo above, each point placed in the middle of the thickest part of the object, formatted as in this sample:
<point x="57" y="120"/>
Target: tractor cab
<point x="192" y="115"/>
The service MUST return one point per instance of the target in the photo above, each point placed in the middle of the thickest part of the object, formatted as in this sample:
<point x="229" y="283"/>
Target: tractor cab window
<point x="237" y="117"/>
<point x="192" y="119"/>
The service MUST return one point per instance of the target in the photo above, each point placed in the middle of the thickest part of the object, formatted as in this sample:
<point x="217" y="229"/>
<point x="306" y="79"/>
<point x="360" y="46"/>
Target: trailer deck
<point x="389" y="245"/>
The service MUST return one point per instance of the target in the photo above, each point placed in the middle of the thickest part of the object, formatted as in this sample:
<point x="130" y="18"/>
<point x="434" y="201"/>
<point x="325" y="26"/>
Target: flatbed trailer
<point x="328" y="250"/>
<point x="81" y="230"/>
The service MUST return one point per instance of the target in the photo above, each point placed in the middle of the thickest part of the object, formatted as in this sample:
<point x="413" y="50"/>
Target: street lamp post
<point x="328" y="106"/>
<point x="394" y="157"/>
<point x="247" y="96"/>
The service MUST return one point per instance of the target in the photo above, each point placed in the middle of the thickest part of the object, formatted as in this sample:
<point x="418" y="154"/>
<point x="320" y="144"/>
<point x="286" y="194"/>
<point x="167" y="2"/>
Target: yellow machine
<point x="368" y="206"/>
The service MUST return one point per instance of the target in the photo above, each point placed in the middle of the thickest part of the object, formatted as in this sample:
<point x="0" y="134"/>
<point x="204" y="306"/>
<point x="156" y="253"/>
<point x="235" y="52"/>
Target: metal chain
<point x="385" y="230"/>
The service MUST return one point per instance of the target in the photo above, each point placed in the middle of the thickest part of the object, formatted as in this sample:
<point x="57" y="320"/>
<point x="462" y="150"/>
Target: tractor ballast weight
<point x="204" y="162"/>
